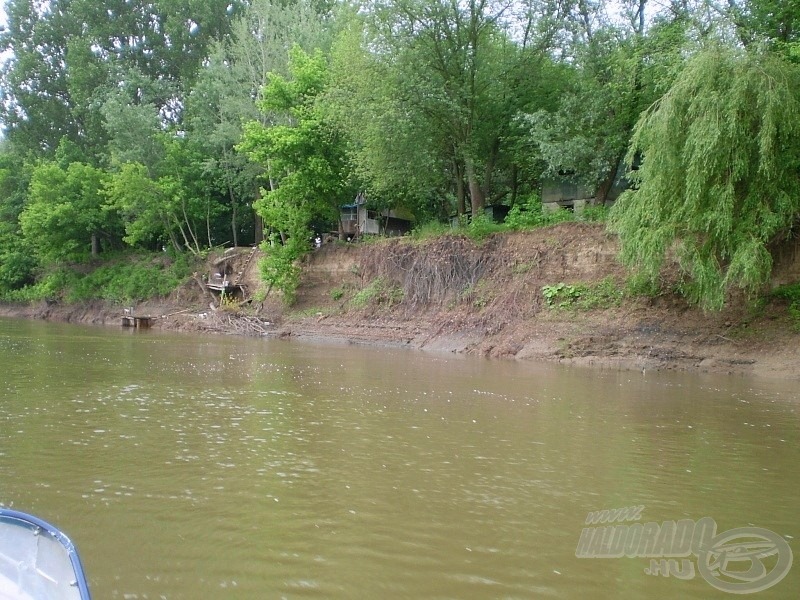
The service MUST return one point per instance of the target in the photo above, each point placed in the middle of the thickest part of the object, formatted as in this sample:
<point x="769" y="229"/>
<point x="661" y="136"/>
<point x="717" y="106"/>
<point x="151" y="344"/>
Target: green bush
<point x="129" y="281"/>
<point x="49" y="287"/>
<point x="791" y="294"/>
<point x="594" y="214"/>
<point x="562" y="295"/>
<point x="483" y="226"/>
<point x="379" y="290"/>
<point x="429" y="230"/>
<point x="603" y="294"/>
<point x="530" y="214"/>
<point x="279" y="267"/>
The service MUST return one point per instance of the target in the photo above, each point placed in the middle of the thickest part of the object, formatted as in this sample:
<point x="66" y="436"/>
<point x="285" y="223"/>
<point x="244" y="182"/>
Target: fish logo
<point x="736" y="561"/>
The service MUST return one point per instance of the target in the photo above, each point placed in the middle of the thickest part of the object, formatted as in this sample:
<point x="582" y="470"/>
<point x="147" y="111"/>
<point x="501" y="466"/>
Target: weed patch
<point x="791" y="295"/>
<point x="604" y="294"/>
<point x="378" y="291"/>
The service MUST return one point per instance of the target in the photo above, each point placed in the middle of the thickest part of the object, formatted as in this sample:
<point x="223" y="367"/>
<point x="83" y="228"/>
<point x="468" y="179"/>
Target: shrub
<point x="429" y="230"/>
<point x="791" y="294"/>
<point x="483" y="226"/>
<point x="603" y="294"/>
<point x="530" y="214"/>
<point x="379" y="290"/>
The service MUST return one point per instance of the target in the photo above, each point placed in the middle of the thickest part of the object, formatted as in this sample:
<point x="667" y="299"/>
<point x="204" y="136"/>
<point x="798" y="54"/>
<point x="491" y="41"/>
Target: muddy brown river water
<point x="187" y="467"/>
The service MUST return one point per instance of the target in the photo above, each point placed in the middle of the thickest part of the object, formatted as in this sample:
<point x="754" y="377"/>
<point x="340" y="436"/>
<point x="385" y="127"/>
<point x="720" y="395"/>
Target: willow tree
<point x="719" y="180"/>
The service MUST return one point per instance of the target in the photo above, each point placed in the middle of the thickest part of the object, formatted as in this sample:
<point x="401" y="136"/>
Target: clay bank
<point x="554" y="294"/>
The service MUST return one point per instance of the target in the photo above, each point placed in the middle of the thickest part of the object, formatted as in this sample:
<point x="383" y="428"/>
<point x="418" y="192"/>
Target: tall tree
<point x="464" y="70"/>
<point x="305" y="157"/>
<point x="306" y="162"/>
<point x="232" y="77"/>
<point x="396" y="158"/>
<point x="215" y="109"/>
<point x="614" y="73"/>
<point x="65" y="55"/>
<point x="17" y="260"/>
<point x="63" y="219"/>
<point x="720" y="176"/>
<point x="170" y="203"/>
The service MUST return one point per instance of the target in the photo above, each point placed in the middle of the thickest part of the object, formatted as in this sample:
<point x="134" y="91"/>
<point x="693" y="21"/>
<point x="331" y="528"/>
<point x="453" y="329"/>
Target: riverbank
<point x="554" y="294"/>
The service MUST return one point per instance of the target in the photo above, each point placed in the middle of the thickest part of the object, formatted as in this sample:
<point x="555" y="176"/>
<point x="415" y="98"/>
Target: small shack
<point x="357" y="220"/>
<point x="563" y="193"/>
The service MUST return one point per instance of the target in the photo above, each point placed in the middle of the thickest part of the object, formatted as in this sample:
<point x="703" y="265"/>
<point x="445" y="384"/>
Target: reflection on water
<point x="196" y="467"/>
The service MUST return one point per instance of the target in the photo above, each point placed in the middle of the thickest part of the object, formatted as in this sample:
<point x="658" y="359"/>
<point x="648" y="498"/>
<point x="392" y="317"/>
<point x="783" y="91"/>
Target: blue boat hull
<point x="38" y="561"/>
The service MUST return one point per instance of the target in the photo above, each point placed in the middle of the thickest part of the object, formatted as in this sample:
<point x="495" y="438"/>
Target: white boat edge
<point x="36" y="556"/>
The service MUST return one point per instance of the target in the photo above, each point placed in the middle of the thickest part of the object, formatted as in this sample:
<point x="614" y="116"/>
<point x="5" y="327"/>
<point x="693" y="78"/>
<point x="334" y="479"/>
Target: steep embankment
<point x="451" y="294"/>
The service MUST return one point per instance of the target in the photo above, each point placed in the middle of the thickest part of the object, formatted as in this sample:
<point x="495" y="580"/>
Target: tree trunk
<point x="174" y="240"/>
<point x="208" y="222"/>
<point x="190" y="229"/>
<point x="514" y="184"/>
<point x="259" y="229"/>
<point x="95" y="245"/>
<point x="601" y="195"/>
<point x="477" y="199"/>
<point x="234" y="216"/>
<point x="461" y="193"/>
<point x="258" y="222"/>
<point x="488" y="172"/>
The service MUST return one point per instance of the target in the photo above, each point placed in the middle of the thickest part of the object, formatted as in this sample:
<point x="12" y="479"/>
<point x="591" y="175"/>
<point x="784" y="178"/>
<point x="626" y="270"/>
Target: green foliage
<point x="603" y="294"/>
<point x="561" y="295"/>
<point x="64" y="211"/>
<point x="17" y="259"/>
<point x="125" y="280"/>
<point x="170" y="202"/>
<point x="129" y="281"/>
<point x="638" y="285"/>
<point x="67" y="56"/>
<point x="133" y="194"/>
<point x="594" y="214"/>
<point x="720" y="179"/>
<point x="790" y="294"/>
<point x="483" y="226"/>
<point x="616" y="75"/>
<point x="279" y="266"/>
<point x="305" y="159"/>
<point x="123" y="125"/>
<point x="530" y="214"/>
<point x="430" y="230"/>
<point x="378" y="291"/>
<point x="50" y="286"/>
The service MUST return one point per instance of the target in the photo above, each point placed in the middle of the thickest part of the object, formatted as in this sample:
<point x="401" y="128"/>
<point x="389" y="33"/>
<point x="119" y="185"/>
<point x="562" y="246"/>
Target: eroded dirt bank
<point x="453" y="295"/>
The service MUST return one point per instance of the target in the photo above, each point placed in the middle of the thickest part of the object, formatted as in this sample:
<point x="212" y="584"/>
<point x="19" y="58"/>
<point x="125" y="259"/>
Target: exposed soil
<point x="453" y="295"/>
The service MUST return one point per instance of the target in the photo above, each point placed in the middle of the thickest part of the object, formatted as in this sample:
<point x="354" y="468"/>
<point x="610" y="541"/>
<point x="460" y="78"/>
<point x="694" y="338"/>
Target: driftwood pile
<point x="227" y="322"/>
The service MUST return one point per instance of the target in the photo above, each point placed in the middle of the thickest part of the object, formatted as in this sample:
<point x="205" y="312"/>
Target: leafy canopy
<point x="720" y="176"/>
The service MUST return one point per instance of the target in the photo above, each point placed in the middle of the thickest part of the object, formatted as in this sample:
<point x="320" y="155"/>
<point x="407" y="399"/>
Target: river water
<point x="189" y="467"/>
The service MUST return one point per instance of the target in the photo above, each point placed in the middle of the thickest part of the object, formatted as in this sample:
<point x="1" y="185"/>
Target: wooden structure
<point x="139" y="322"/>
<point x="563" y="193"/>
<point x="227" y="276"/>
<point x="356" y="220"/>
